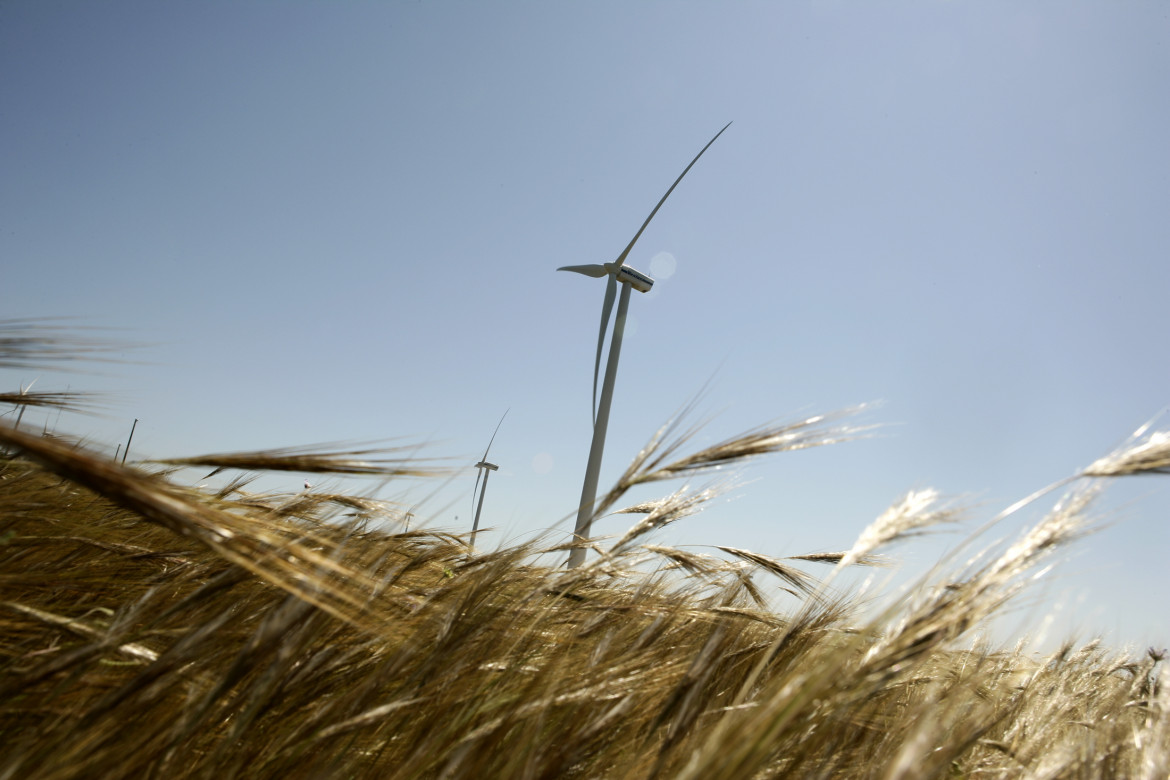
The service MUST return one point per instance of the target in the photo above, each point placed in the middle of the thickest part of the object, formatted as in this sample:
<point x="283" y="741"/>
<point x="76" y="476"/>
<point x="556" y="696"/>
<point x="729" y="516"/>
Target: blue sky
<point x="340" y="221"/>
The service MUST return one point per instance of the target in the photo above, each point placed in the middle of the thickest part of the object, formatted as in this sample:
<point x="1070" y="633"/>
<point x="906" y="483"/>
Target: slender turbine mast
<point x="485" y="470"/>
<point x="618" y="273"/>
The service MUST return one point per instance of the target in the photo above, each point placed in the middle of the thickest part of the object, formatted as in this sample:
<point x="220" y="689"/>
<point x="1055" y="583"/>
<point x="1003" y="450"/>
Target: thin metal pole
<point x="128" y="440"/>
<point x="593" y="469"/>
<point x="20" y="414"/>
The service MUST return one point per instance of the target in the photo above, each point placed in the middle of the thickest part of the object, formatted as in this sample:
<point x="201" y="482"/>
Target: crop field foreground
<point x="152" y="630"/>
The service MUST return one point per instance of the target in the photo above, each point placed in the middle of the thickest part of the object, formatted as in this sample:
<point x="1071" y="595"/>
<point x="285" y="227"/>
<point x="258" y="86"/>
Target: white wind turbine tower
<point x="617" y="272"/>
<point x="485" y="470"/>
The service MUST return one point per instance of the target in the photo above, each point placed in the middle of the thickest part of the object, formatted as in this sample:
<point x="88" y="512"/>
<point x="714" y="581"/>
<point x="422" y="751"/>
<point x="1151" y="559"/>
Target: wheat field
<point x="156" y="630"/>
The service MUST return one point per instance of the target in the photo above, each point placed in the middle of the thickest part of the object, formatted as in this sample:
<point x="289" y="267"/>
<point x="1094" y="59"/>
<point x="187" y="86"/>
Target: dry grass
<point x="151" y="630"/>
<point x="39" y="343"/>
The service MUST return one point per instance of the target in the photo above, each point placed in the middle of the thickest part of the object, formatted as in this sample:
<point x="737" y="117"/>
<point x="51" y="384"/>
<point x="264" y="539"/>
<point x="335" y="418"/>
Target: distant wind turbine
<point x="618" y="273"/>
<point x="485" y="470"/>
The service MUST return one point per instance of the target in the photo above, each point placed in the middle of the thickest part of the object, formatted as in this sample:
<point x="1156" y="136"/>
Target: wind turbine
<point x="485" y="470"/>
<point x="618" y="273"/>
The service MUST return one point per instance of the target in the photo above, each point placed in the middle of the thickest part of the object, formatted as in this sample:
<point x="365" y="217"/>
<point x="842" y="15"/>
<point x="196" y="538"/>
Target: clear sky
<point x="340" y="221"/>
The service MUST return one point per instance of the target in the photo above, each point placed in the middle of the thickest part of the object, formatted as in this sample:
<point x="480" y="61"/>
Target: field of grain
<point x="155" y="630"/>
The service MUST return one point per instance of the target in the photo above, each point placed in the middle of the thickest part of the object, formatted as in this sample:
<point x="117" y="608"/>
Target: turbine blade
<point x="475" y="490"/>
<point x="493" y="438"/>
<point x="622" y="257"/>
<point x="606" y="309"/>
<point x="479" y="472"/>
<point x="594" y="270"/>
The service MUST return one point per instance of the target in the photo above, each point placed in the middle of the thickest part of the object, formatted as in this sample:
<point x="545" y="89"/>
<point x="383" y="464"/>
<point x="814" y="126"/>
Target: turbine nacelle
<point x="623" y="274"/>
<point x="636" y="279"/>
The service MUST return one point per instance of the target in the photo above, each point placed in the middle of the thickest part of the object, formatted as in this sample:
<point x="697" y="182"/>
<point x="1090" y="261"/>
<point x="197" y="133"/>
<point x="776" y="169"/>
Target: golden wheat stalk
<point x="319" y="459"/>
